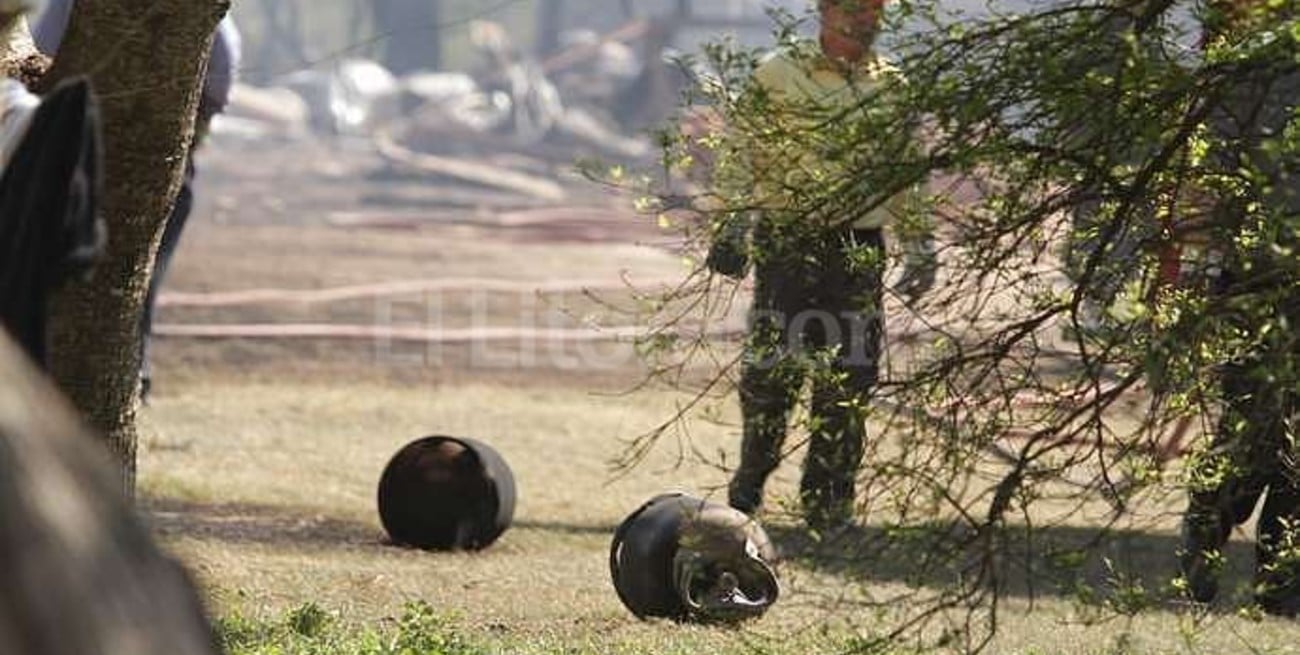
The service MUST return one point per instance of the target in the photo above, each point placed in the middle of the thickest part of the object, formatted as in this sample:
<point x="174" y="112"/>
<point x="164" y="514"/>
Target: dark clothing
<point x="1251" y="458"/>
<point x="171" y="238"/>
<point x="49" y="226"/>
<point x="1254" y="453"/>
<point x="1091" y="133"/>
<point x="817" y="313"/>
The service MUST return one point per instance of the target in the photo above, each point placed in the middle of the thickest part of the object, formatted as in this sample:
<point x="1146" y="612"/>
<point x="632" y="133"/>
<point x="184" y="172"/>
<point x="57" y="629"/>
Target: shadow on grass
<point x="256" y="524"/>
<point x="1060" y="561"/>
<point x="298" y="527"/>
<point x="589" y="529"/>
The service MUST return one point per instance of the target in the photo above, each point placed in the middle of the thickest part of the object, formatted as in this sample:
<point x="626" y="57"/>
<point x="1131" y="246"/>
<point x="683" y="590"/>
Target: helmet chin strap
<point x="709" y="590"/>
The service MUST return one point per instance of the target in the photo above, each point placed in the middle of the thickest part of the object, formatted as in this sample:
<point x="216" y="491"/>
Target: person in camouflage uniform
<point x="818" y="255"/>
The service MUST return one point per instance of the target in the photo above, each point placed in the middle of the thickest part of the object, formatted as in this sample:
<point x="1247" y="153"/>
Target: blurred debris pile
<point x="514" y="122"/>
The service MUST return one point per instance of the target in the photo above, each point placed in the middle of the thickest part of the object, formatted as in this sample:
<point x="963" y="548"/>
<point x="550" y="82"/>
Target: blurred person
<point x="818" y="266"/>
<point x="223" y="64"/>
<point x="50" y="180"/>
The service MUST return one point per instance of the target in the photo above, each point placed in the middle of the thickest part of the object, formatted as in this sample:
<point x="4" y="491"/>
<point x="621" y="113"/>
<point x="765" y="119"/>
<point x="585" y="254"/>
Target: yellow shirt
<point x="803" y="140"/>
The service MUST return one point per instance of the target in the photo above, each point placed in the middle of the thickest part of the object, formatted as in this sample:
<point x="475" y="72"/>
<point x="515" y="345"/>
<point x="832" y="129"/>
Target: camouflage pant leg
<point x="842" y="383"/>
<point x="771" y="375"/>
<point x="770" y="380"/>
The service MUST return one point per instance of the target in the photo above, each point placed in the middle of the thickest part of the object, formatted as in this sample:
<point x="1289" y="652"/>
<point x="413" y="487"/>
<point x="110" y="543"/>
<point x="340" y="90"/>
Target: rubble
<point x="467" y="170"/>
<point x="264" y="111"/>
<point x="514" y="123"/>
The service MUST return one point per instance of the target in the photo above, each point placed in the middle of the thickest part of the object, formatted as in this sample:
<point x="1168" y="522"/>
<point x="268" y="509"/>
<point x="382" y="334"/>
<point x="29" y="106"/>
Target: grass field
<point x="260" y="459"/>
<point x="267" y="490"/>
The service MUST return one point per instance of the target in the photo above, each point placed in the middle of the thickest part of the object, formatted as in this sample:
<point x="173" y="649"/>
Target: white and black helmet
<point x="689" y="559"/>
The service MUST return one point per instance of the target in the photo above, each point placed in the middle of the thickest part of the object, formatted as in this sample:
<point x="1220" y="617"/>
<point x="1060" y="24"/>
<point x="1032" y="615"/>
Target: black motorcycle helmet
<point x="689" y="559"/>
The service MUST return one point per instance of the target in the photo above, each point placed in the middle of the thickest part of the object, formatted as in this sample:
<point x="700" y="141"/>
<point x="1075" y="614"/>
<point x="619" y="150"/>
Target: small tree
<point x="1071" y="160"/>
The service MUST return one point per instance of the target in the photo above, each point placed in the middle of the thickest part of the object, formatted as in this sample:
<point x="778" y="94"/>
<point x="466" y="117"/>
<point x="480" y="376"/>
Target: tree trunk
<point x="282" y="47"/>
<point x="145" y="59"/>
<point x="412" y="36"/>
<point x="550" y="22"/>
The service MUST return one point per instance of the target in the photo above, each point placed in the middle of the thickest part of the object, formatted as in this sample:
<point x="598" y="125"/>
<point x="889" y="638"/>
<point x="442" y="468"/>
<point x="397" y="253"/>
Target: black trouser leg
<point x="1277" y="549"/>
<point x="1234" y="488"/>
<point x="171" y="237"/>
<point x="836" y="443"/>
<point x="1245" y="458"/>
<point x="1207" y="524"/>
<point x="772" y="373"/>
<point x="853" y="329"/>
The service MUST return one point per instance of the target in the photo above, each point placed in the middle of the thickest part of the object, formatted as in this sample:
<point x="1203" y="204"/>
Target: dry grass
<point x="268" y="492"/>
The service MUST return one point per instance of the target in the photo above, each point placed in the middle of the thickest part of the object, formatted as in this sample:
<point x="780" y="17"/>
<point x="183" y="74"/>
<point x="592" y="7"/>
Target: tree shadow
<point x="1051" y="561"/>
<point x="254" y="523"/>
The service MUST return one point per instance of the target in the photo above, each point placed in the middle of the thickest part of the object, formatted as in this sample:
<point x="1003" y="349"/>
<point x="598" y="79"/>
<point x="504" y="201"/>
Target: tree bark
<point x="145" y="59"/>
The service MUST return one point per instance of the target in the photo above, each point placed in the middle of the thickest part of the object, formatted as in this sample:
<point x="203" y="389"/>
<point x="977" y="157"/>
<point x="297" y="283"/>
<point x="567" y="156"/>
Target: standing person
<point x="1255" y="451"/>
<point x="818" y="252"/>
<point x="223" y="62"/>
<point x="50" y="183"/>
